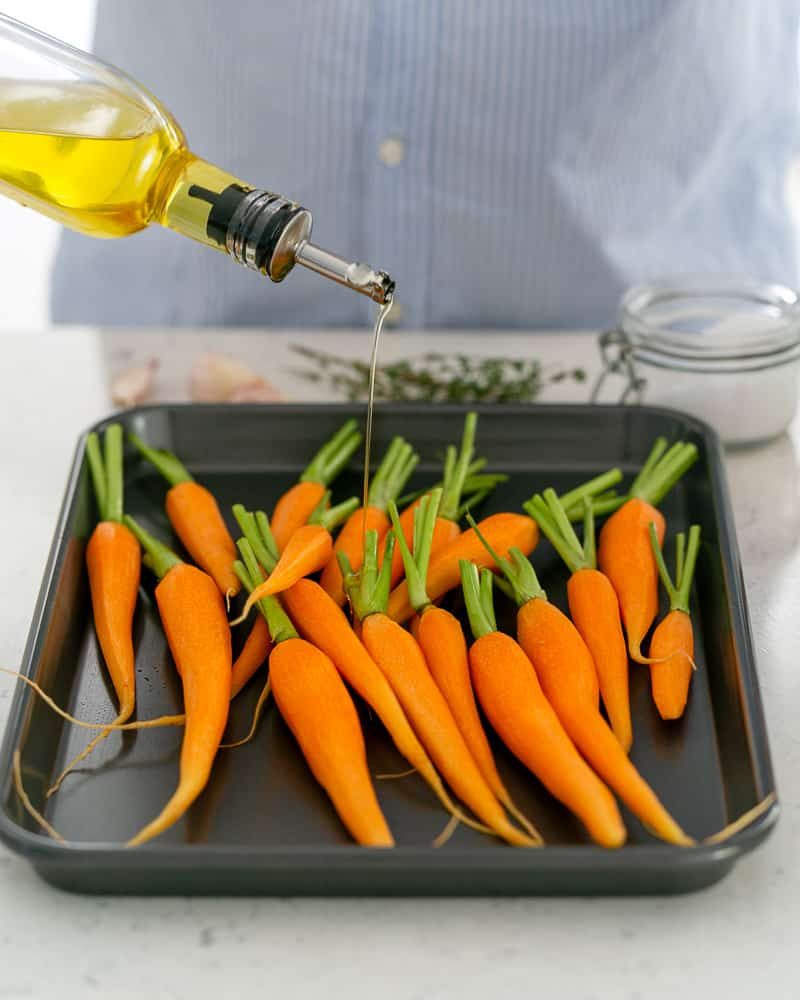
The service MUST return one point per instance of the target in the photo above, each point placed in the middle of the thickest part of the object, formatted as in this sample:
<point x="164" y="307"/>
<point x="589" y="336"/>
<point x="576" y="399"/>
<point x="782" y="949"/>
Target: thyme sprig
<point x="436" y="377"/>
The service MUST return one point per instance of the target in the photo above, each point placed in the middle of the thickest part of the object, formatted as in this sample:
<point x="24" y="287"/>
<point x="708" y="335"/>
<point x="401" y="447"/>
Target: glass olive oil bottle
<point x="85" y="144"/>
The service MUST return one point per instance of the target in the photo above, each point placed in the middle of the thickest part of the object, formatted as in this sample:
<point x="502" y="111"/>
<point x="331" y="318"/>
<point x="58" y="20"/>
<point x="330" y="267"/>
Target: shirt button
<point x="396" y="314"/>
<point x="392" y="151"/>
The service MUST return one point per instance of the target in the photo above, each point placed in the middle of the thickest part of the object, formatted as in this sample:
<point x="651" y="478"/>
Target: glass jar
<point x="721" y="348"/>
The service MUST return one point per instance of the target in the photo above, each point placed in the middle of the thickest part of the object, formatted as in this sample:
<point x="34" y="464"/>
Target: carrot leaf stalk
<point x="168" y="464"/>
<point x="685" y="561"/>
<point x="477" y="586"/>
<point x="255" y="528"/>
<point x="368" y="587"/>
<point x="517" y="569"/>
<point x="249" y="572"/>
<point x="417" y="559"/>
<point x="331" y="517"/>
<point x="393" y="473"/>
<point x="158" y="557"/>
<point x="334" y="455"/>
<point x="662" y="469"/>
<point x="456" y="466"/>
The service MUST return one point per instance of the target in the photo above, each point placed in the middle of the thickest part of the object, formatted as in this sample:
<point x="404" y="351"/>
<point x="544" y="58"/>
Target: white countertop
<point x="737" y="939"/>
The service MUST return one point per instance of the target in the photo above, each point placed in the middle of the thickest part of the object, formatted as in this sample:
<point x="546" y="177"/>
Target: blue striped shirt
<point x="542" y="154"/>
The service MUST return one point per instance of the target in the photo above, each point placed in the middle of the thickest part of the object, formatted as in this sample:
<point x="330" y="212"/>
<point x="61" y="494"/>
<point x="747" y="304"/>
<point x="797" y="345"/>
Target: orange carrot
<point x="441" y="639"/>
<point x="402" y="663"/>
<point x="307" y="551"/>
<point x="512" y="698"/>
<point x="593" y="605"/>
<point x="196" y="519"/>
<point x="196" y="626"/>
<point x="672" y="646"/>
<point x="113" y="562"/>
<point x="295" y="507"/>
<point x="504" y="531"/>
<point x="390" y="477"/>
<point x="315" y="704"/>
<point x="624" y="552"/>
<point x="566" y="671"/>
<point x="321" y="621"/>
<point x="255" y="651"/>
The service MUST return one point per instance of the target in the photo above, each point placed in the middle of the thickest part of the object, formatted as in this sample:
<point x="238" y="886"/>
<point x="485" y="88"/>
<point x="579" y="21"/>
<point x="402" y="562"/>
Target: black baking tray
<point x="263" y="826"/>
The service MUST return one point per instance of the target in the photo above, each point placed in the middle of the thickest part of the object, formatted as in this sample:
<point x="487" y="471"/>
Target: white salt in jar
<point x="723" y="349"/>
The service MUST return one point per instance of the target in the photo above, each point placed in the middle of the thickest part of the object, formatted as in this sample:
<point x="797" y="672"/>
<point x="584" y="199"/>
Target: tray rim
<point x="45" y="852"/>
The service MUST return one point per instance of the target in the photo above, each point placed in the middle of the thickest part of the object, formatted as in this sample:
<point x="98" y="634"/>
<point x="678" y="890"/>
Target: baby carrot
<point x="195" y="517"/>
<point x="401" y="660"/>
<point x="316" y="706"/>
<point x="567" y="674"/>
<point x="113" y="562"/>
<point x="624" y="552"/>
<point x="593" y="606"/>
<point x="512" y="698"/>
<point x="390" y="477"/>
<point x="196" y="626"/>
<point x="504" y="531"/>
<point x="441" y="640"/>
<point x="295" y="507"/>
<point x="672" y="646"/>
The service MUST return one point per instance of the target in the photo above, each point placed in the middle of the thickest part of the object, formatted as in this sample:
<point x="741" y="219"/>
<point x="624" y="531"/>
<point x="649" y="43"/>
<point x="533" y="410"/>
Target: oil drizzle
<point x="383" y="312"/>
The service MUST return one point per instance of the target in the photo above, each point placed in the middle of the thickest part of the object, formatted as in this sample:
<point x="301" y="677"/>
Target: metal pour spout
<point x="377" y="285"/>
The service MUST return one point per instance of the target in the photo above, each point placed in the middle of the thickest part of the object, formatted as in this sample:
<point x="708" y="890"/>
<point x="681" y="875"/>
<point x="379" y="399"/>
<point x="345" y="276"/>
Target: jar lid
<point x="712" y="322"/>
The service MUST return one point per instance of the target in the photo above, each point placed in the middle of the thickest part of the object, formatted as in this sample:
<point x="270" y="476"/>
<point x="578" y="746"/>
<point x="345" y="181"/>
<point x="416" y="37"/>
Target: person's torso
<point x="510" y="164"/>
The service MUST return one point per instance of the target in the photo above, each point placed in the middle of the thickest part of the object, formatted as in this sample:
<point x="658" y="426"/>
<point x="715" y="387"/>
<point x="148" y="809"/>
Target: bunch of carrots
<point x="372" y="627"/>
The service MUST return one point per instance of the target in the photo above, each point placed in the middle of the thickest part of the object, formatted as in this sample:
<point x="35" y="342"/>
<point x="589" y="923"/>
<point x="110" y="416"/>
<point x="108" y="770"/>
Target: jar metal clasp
<point x="616" y="352"/>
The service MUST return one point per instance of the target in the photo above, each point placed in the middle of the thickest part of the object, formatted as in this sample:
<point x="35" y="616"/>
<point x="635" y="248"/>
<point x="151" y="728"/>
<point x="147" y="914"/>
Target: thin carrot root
<point x="447" y="833"/>
<point x="743" y="821"/>
<point x="259" y="711"/>
<point x="123" y="717"/>
<point x="162" y="720"/>
<point x="523" y="821"/>
<point x="28" y="805"/>
<point x="400" y="774"/>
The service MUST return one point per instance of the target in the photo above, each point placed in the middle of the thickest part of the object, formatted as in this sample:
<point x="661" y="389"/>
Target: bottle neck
<point x="260" y="230"/>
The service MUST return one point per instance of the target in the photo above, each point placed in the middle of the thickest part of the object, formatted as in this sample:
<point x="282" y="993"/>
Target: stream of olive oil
<point x="383" y="312"/>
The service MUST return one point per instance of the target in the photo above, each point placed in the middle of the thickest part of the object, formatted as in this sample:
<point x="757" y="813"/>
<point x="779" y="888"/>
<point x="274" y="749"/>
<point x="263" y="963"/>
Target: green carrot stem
<point x="537" y="509"/>
<point x="687" y="569"/>
<point x="658" y="449"/>
<point x="457" y="469"/>
<point x="97" y="472"/>
<point x="475" y="479"/>
<point x="416" y="562"/>
<point x="589" y="543"/>
<point x="368" y="588"/>
<point x="264" y="530"/>
<point x="112" y="460"/>
<point x="278" y="622"/>
<point x="481" y="618"/>
<point x="169" y="465"/>
<point x="331" y="517"/>
<point x="516" y="569"/>
<point x="592" y="487"/>
<point x="159" y="558"/>
<point x="473" y="500"/>
<point x="680" y="555"/>
<point x="487" y="579"/>
<point x="265" y="551"/>
<point x="392" y="474"/>
<point x="662" y="474"/>
<point x="680" y="590"/>
<point x="334" y="455"/>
